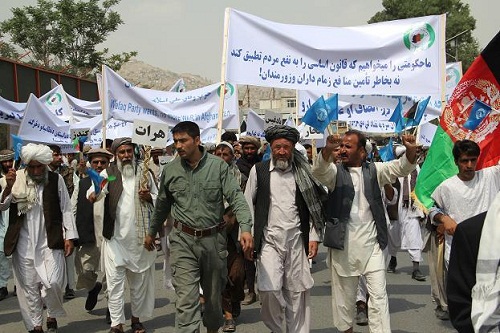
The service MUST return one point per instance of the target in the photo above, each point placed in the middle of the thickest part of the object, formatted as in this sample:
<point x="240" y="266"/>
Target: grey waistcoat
<point x="340" y="200"/>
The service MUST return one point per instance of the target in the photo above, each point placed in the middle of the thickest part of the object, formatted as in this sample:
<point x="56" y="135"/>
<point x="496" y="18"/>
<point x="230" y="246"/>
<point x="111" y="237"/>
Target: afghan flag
<point x="480" y="83"/>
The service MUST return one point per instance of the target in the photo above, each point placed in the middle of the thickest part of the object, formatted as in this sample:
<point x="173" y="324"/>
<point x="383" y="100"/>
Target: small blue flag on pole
<point x="317" y="115"/>
<point x="332" y="107"/>
<point x="17" y="144"/>
<point x="478" y="112"/>
<point x="419" y="113"/>
<point x="386" y="153"/>
<point x="397" y="118"/>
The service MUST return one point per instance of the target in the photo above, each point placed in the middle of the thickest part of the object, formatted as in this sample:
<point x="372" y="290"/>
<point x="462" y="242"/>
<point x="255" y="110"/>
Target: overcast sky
<point x="186" y="35"/>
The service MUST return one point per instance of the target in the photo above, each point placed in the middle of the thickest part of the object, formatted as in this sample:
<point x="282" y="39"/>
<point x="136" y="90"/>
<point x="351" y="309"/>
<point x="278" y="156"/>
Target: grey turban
<point x="34" y="152"/>
<point x="250" y="140"/>
<point x="282" y="132"/>
<point x="118" y="142"/>
<point x="6" y="155"/>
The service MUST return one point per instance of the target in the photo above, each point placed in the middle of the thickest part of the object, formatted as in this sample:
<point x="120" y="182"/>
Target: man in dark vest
<point x="128" y="205"/>
<point x="89" y="225"/>
<point x="288" y="220"/>
<point x="40" y="235"/>
<point x="356" y="208"/>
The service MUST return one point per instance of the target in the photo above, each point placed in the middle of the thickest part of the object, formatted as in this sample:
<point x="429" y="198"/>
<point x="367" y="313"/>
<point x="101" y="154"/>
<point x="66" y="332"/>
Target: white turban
<point x="34" y="152"/>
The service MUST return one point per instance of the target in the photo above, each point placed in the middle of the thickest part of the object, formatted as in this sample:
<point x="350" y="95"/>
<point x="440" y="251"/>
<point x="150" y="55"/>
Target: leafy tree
<point x="458" y="20"/>
<point x="64" y="34"/>
<point x="7" y="50"/>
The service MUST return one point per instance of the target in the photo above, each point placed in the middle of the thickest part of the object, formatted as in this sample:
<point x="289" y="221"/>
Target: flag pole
<point x="296" y="107"/>
<point x="101" y="91"/>
<point x="222" y="91"/>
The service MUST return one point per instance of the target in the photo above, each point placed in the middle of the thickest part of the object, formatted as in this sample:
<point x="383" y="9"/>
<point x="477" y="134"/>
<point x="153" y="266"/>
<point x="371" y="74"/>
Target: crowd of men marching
<point x="245" y="214"/>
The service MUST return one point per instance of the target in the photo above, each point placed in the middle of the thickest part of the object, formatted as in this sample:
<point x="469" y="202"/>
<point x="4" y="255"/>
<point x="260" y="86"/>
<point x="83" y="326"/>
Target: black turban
<point x="282" y="132"/>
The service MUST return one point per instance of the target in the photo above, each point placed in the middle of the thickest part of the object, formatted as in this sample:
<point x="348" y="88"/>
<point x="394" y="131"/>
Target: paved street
<point x="410" y="306"/>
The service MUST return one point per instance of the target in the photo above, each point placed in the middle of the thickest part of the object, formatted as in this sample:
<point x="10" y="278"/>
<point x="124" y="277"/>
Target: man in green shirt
<point x="192" y="189"/>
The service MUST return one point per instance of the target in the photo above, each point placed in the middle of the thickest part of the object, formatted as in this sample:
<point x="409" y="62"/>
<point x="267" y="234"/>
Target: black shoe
<point x="361" y="314"/>
<point x="91" y="301"/>
<point x="52" y="326"/>
<point x="15" y="291"/>
<point x="417" y="275"/>
<point x="69" y="294"/>
<point x="392" y="265"/>
<point x="236" y="309"/>
<point x="108" y="317"/>
<point x="3" y="293"/>
<point x="441" y="314"/>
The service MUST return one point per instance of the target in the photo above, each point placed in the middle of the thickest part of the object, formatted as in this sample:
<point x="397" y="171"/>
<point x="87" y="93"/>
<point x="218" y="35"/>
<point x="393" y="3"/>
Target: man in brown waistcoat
<point x="128" y="205"/>
<point x="40" y="234"/>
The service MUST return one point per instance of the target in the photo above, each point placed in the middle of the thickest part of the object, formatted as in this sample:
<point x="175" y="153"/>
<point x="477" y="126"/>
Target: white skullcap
<point x="399" y="150"/>
<point x="226" y="144"/>
<point x="34" y="152"/>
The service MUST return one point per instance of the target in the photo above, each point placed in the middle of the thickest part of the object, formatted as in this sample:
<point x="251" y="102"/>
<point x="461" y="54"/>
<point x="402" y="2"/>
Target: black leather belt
<point x="199" y="233"/>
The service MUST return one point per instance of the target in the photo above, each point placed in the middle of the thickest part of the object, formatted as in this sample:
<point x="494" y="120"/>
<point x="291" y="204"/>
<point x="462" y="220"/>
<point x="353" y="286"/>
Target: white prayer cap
<point x="36" y="152"/>
<point x="226" y="144"/>
<point x="399" y="150"/>
<point x="368" y="147"/>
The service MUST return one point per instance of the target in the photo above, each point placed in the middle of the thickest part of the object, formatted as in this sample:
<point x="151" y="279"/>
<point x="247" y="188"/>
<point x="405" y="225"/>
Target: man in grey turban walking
<point x="288" y="220"/>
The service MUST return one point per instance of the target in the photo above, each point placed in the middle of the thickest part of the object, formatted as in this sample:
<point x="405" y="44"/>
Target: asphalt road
<point x="410" y="306"/>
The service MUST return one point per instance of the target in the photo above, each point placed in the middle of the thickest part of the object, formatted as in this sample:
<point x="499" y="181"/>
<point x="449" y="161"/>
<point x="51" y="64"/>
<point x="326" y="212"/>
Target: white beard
<point x="281" y="164"/>
<point x="127" y="170"/>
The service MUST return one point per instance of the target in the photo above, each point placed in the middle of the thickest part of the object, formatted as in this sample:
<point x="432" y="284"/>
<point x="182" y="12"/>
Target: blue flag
<point x="397" y="118"/>
<point x="478" y="112"/>
<point x="332" y="107"/>
<point x="386" y="153"/>
<point x="419" y="113"/>
<point x="317" y="115"/>
<point x="267" y="154"/>
<point x="17" y="144"/>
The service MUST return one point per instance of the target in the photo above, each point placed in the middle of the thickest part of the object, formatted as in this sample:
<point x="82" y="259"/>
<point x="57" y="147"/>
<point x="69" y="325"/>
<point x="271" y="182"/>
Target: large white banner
<point x="402" y="57"/>
<point x="11" y="113"/>
<point x="41" y="125"/>
<point x="201" y="106"/>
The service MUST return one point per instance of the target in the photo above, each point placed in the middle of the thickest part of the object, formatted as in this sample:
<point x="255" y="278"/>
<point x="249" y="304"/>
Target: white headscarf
<point x="34" y="152"/>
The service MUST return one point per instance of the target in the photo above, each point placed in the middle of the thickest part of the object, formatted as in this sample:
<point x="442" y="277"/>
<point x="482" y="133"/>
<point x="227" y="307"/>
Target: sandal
<point x="138" y="328"/>
<point x="229" y="326"/>
<point x="115" y="330"/>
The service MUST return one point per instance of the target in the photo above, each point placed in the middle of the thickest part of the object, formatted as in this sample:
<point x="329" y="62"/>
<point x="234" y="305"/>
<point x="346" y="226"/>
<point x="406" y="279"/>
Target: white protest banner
<point x="77" y="133"/>
<point x="400" y="57"/>
<point x="201" y="106"/>
<point x="306" y="98"/>
<point x="255" y="125"/>
<point x="56" y="102"/>
<point x="372" y="126"/>
<point x="150" y="134"/>
<point x="178" y="86"/>
<point x="426" y="134"/>
<point x="41" y="125"/>
<point x="310" y="133"/>
<point x="377" y="107"/>
<point x="453" y="76"/>
<point x="11" y="113"/>
<point x="272" y="118"/>
<point x="82" y="108"/>
<point x="114" y="129"/>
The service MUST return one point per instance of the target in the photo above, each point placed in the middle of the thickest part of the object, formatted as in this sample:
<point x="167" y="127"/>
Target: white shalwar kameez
<point x="362" y="254"/>
<point x="406" y="232"/>
<point x="125" y="258"/>
<point x="40" y="272"/>
<point x="464" y="199"/>
<point x="284" y="279"/>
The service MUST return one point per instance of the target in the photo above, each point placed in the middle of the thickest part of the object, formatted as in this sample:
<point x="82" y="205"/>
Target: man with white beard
<point x="127" y="208"/>
<point x="40" y="234"/>
<point x="287" y="222"/>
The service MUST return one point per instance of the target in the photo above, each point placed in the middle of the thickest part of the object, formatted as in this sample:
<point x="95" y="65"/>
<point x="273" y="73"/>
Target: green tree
<point x="458" y="20"/>
<point x="65" y="34"/>
<point x="7" y="50"/>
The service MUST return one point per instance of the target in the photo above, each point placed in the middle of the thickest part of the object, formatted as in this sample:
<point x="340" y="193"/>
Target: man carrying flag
<point x="480" y="82"/>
